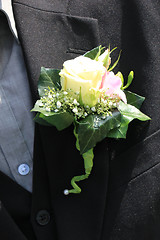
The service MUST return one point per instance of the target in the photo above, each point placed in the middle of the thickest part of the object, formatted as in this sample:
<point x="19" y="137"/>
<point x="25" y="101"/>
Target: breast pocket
<point x="84" y="34"/>
<point x="49" y="37"/>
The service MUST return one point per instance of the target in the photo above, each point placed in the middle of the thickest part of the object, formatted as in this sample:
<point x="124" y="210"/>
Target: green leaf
<point x="39" y="108"/>
<point x="130" y="79"/>
<point x="40" y="120"/>
<point x="129" y="112"/>
<point x="48" y="78"/>
<point x="94" y="129"/>
<point x="59" y="120"/>
<point x="132" y="112"/>
<point x="121" y="131"/>
<point x="134" y="99"/>
<point x="94" y="53"/>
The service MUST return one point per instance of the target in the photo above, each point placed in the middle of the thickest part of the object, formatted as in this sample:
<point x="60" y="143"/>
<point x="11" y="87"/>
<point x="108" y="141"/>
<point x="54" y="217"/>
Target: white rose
<point x="85" y="74"/>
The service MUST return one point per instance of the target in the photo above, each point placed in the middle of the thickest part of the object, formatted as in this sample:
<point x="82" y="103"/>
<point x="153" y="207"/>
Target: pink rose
<point x="111" y="84"/>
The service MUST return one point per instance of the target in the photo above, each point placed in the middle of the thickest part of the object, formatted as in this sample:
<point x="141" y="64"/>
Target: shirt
<point x="16" y="120"/>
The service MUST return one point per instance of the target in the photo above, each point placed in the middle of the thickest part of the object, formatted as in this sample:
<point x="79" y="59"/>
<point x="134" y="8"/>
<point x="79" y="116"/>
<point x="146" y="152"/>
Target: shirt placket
<point x="13" y="145"/>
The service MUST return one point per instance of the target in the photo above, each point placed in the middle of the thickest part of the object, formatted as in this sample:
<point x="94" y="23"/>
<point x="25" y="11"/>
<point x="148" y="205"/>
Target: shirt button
<point x="23" y="169"/>
<point x="43" y="217"/>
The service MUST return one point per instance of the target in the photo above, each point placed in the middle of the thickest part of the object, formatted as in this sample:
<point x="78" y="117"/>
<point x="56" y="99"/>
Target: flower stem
<point x="88" y="164"/>
<point x="75" y="179"/>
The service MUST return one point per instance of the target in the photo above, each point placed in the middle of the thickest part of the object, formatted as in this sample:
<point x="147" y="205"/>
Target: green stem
<point x="88" y="164"/>
<point x="75" y="179"/>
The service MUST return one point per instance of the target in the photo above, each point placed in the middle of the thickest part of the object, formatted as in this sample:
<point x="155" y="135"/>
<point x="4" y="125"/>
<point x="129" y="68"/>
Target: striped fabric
<point x="16" y="120"/>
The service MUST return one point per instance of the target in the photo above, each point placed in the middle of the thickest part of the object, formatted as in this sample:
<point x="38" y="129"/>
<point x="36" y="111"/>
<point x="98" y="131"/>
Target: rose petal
<point x="111" y="81"/>
<point x="111" y="84"/>
<point x="121" y="95"/>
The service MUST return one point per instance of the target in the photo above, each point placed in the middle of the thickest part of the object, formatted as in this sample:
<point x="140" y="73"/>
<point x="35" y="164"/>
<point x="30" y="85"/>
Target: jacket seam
<point x="43" y="10"/>
<point x="138" y="143"/>
<point x="135" y="177"/>
<point x="56" y="12"/>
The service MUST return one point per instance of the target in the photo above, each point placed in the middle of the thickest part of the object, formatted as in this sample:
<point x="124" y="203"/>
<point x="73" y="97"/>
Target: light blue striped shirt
<point x="16" y="120"/>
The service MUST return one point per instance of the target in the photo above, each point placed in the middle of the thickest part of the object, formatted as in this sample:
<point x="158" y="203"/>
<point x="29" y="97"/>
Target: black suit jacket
<point x="121" y="198"/>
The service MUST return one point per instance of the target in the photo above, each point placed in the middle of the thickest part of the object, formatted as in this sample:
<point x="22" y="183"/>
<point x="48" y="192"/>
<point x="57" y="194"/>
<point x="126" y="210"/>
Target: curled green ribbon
<point x="88" y="164"/>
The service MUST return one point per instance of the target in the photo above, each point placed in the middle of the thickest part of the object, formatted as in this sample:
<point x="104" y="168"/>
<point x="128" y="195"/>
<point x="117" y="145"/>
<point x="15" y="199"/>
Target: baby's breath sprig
<point x="68" y="101"/>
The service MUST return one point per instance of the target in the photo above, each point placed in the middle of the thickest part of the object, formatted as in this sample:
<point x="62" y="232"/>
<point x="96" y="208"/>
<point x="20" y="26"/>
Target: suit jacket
<point x="121" y="198"/>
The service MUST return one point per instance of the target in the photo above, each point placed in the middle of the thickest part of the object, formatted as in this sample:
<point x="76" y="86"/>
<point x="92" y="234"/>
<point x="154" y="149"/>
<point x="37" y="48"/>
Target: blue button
<point x="23" y="169"/>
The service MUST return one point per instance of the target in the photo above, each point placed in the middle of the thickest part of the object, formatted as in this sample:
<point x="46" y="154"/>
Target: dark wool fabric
<point x="121" y="199"/>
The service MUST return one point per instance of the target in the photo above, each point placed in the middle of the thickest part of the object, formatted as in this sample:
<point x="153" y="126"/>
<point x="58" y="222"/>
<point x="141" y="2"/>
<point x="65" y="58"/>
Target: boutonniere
<point x="87" y="94"/>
